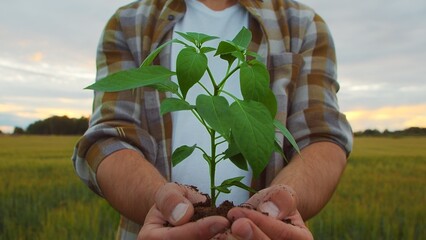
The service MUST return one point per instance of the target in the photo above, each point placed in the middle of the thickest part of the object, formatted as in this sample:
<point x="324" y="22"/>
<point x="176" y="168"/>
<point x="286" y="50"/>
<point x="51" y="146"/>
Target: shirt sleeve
<point x="314" y="113"/>
<point x="116" y="122"/>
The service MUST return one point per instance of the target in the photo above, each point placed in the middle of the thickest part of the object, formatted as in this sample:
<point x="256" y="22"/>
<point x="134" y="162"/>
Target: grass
<point x="41" y="197"/>
<point x="381" y="195"/>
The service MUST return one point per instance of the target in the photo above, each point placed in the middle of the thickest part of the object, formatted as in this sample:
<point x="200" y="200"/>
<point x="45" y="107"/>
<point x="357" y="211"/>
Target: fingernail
<point x="179" y="211"/>
<point x="270" y="208"/>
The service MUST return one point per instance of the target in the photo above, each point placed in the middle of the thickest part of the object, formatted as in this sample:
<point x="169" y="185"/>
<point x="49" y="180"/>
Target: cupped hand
<point x="276" y="217"/>
<point x="170" y="215"/>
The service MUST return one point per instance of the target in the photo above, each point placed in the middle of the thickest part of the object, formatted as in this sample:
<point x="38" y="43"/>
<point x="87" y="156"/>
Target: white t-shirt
<point x="187" y="130"/>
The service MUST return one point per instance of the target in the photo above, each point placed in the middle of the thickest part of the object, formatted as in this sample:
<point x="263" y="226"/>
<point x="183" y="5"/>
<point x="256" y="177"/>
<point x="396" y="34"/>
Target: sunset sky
<point x="47" y="57"/>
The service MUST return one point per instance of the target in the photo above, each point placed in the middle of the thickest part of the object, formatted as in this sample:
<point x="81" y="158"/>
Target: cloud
<point x="377" y="41"/>
<point x="391" y="118"/>
<point x="47" y="57"/>
<point x="6" y="129"/>
<point x="40" y="76"/>
<point x="37" y="57"/>
<point x="40" y="89"/>
<point x="22" y="114"/>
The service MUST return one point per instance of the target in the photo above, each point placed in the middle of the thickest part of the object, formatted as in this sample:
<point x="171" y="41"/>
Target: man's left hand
<point x="276" y="217"/>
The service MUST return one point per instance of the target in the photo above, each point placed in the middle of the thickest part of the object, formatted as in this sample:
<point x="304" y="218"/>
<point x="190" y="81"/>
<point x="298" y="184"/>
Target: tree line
<point x="63" y="125"/>
<point x="56" y="125"/>
<point x="412" y="131"/>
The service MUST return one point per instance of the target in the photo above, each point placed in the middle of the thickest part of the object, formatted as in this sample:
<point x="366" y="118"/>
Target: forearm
<point x="129" y="183"/>
<point x="314" y="176"/>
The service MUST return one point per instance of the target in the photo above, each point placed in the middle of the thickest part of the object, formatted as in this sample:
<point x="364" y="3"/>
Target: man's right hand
<point x="170" y="215"/>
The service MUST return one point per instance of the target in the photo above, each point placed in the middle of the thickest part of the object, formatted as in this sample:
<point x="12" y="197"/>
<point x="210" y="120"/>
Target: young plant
<point x="247" y="125"/>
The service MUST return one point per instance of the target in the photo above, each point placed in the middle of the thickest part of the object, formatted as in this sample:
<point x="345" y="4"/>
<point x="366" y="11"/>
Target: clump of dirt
<point x="204" y="209"/>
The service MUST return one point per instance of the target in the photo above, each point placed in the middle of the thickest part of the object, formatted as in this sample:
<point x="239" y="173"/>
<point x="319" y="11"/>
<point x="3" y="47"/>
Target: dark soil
<point x="204" y="209"/>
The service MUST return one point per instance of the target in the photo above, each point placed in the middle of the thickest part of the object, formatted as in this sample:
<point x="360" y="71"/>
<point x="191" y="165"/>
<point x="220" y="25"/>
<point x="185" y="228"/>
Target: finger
<point x="192" y="194"/>
<point x="154" y="218"/>
<point x="175" y="202"/>
<point x="244" y="229"/>
<point x="278" y="201"/>
<point x="274" y="229"/>
<point x="205" y="228"/>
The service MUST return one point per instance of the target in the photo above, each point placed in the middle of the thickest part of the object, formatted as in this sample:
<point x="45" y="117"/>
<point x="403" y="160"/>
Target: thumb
<point x="173" y="201"/>
<point x="279" y="202"/>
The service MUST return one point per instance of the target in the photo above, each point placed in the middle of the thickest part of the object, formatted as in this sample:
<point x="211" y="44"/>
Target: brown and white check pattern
<point x="294" y="42"/>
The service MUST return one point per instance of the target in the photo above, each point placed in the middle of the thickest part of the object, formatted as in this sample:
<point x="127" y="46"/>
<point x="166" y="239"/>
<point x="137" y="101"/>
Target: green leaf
<point x="270" y="101"/>
<point x="190" y="67"/>
<point x="245" y="187"/>
<point x="208" y="159"/>
<point x="230" y="181"/>
<point x="174" y="104"/>
<point x="196" y="38"/>
<point x="215" y="111"/>
<point x="287" y="134"/>
<point x="253" y="132"/>
<point x="229" y="58"/>
<point x="133" y="78"/>
<point x="240" y="55"/>
<point x="223" y="189"/>
<point x="166" y="86"/>
<point x="187" y="36"/>
<point x="243" y="38"/>
<point x="182" y="42"/>
<point x="235" y="156"/>
<point x="148" y="60"/>
<point x="236" y="181"/>
<point x="207" y="49"/>
<point x="226" y="50"/>
<point x="225" y="47"/>
<point x="181" y="153"/>
<point x="254" y="81"/>
<point x="254" y="55"/>
<point x="239" y="161"/>
<point x="202" y="38"/>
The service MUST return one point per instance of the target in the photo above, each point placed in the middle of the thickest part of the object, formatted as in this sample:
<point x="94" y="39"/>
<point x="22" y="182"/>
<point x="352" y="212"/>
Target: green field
<point x="382" y="194"/>
<point x="41" y="197"/>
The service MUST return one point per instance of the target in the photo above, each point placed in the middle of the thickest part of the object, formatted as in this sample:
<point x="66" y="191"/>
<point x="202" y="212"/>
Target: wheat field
<point x="382" y="194"/>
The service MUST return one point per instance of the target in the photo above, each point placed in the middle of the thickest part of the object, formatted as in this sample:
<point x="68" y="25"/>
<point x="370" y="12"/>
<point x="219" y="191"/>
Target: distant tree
<point x="371" y="132"/>
<point x="80" y="125"/>
<point x="1" y="132"/>
<point x="386" y="133"/>
<point x="412" y="131"/>
<point x="59" y="125"/>
<point x="415" y="131"/>
<point x="18" y="130"/>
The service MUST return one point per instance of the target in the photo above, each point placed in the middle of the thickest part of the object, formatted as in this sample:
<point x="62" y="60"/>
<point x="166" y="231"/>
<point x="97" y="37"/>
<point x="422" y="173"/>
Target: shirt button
<point x="171" y="17"/>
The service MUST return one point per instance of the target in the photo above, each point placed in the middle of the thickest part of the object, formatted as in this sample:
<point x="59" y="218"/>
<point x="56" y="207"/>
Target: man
<point x="125" y="154"/>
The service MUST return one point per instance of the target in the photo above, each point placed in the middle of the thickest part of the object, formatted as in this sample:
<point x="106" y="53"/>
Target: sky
<point x="47" y="57"/>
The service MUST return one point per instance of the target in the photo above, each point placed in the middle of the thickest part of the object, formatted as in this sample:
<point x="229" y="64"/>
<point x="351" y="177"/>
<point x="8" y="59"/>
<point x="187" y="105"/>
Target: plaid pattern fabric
<point x="294" y="42"/>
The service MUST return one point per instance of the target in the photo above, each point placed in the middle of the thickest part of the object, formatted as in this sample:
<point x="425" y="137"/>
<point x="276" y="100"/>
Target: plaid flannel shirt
<point x="295" y="44"/>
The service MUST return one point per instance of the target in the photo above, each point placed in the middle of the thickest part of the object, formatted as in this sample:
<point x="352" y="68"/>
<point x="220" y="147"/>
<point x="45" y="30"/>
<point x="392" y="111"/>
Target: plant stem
<point x="213" y="169"/>
<point x="211" y="78"/>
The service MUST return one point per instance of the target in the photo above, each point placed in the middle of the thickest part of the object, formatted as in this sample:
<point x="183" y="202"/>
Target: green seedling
<point x="247" y="125"/>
